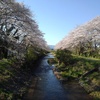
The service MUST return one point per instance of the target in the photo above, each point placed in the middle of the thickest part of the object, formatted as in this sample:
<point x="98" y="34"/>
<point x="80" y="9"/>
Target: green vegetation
<point x="15" y="75"/>
<point x="51" y="61"/>
<point x="31" y="57"/>
<point x="6" y="72"/>
<point x="62" y="55"/>
<point x="85" y="70"/>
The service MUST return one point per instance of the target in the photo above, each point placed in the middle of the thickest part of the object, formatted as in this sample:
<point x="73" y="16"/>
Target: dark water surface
<point x="48" y="87"/>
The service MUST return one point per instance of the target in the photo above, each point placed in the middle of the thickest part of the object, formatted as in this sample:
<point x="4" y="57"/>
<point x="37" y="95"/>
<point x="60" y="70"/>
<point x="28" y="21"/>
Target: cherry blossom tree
<point x="18" y="29"/>
<point x="83" y="40"/>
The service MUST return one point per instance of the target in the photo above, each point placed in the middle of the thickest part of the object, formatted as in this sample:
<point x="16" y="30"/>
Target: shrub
<point x="63" y="56"/>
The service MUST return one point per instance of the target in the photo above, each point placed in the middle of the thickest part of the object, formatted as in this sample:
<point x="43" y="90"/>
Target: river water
<point x="48" y="87"/>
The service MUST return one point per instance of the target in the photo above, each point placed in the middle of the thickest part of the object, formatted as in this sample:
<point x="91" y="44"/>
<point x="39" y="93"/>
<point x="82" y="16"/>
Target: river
<point x="48" y="87"/>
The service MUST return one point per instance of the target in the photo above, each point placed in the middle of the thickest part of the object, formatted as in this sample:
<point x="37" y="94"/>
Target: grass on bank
<point x="13" y="79"/>
<point x="77" y="67"/>
<point x="5" y="75"/>
<point x="15" y="75"/>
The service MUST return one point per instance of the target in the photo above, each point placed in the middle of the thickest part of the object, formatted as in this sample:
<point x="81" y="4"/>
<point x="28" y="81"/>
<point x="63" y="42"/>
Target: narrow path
<point x="48" y="87"/>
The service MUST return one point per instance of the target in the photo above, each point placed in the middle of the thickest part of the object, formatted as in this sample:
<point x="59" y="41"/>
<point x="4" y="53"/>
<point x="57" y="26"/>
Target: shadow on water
<point x="48" y="87"/>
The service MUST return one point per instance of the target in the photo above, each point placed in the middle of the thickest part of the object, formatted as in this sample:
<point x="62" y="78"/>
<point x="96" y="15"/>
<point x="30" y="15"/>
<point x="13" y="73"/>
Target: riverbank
<point x="47" y="86"/>
<point x="84" y="70"/>
<point x="13" y="80"/>
<point x="15" y="77"/>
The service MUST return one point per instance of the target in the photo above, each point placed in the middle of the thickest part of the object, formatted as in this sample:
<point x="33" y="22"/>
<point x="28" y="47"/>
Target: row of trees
<point x="83" y="40"/>
<point x="18" y="30"/>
